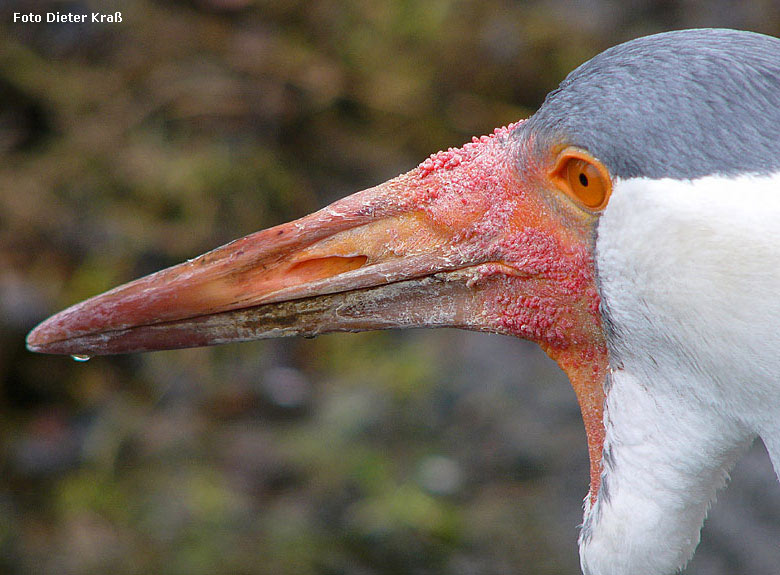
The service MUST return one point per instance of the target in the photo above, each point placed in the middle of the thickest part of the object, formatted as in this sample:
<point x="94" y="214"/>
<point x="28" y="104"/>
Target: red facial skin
<point x="504" y="250"/>
<point x="540" y="283"/>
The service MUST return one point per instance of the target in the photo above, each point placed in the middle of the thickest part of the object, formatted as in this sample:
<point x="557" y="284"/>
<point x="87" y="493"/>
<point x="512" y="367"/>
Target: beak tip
<point x="47" y="337"/>
<point x="37" y="339"/>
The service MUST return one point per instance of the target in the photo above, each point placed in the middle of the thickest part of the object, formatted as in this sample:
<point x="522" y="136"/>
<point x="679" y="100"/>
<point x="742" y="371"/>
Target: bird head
<point x="494" y="236"/>
<point x="500" y="235"/>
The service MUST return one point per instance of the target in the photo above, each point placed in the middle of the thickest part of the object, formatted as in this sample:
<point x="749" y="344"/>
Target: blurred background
<point x="132" y="146"/>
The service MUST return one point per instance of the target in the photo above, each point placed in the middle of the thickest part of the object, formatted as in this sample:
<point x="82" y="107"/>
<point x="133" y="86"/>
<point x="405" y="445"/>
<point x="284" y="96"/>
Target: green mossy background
<point x="132" y="146"/>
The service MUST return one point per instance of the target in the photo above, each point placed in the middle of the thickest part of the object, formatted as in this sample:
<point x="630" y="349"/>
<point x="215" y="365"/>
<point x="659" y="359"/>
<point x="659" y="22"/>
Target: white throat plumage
<point x="689" y="272"/>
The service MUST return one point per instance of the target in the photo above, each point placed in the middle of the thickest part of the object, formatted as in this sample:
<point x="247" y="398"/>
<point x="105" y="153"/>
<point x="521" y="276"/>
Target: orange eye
<point x="583" y="178"/>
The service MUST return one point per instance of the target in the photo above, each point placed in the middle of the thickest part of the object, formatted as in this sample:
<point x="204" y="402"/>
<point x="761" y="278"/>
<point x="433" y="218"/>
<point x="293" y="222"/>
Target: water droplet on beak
<point x="81" y="358"/>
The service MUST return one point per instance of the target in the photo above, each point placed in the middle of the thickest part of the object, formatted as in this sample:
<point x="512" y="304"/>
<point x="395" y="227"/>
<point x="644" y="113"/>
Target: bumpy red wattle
<point x="538" y="278"/>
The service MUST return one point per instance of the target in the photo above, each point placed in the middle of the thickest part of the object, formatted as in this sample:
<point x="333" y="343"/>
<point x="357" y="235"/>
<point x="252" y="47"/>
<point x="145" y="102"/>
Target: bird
<point x="630" y="227"/>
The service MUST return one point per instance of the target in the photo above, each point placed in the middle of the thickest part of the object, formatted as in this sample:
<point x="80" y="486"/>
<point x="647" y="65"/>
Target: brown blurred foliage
<point x="127" y="147"/>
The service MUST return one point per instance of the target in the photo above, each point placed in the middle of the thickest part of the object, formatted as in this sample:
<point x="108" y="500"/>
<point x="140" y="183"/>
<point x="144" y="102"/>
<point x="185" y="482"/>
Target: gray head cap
<point x="680" y="104"/>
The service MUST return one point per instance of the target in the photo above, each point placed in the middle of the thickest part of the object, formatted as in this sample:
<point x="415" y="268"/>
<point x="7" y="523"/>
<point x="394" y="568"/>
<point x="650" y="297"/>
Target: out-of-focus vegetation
<point x="128" y="147"/>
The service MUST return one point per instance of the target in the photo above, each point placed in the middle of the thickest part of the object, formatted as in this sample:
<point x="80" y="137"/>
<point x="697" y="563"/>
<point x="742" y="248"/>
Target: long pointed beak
<point x="471" y="238"/>
<point x="403" y="254"/>
<point x="358" y="264"/>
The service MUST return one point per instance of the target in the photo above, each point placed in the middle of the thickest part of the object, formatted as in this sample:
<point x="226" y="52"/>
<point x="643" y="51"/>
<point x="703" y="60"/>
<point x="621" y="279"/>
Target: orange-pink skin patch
<point x="537" y="280"/>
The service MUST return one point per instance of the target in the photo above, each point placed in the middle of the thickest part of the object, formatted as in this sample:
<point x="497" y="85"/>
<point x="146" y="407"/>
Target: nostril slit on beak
<point x="321" y="268"/>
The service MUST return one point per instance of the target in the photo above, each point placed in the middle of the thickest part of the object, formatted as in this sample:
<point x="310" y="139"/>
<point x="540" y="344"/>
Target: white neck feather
<point x="689" y="275"/>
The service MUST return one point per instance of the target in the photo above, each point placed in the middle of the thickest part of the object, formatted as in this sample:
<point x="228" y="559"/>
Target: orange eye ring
<point x="583" y="178"/>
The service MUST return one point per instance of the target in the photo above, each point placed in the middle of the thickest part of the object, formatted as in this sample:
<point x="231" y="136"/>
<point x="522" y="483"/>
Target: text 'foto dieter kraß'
<point x="97" y="17"/>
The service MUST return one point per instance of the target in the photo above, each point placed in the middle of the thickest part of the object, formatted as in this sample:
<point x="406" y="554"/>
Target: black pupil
<point x="583" y="179"/>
